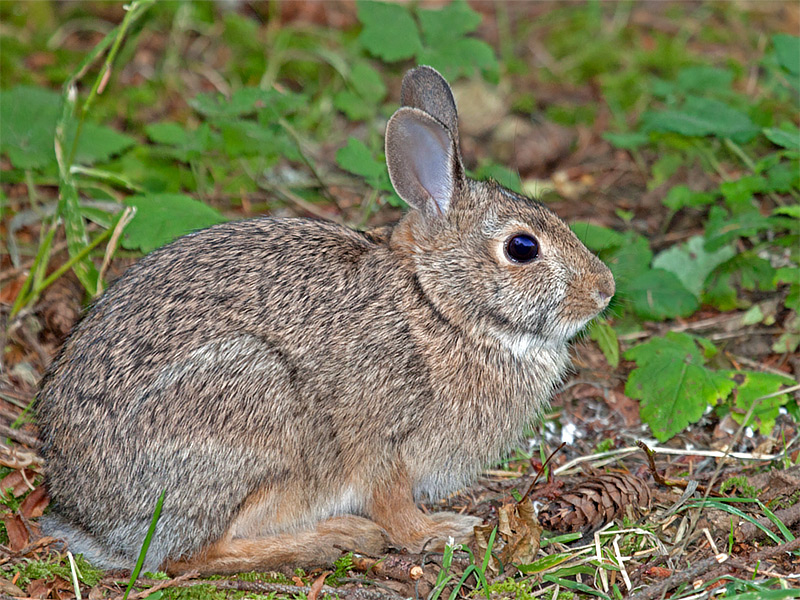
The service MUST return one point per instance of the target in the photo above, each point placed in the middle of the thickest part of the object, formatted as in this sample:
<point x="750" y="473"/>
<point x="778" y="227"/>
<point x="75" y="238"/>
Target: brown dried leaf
<point x="316" y="587"/>
<point x="6" y="587"/>
<point x="522" y="534"/>
<point x="34" y="504"/>
<point x="16" y="482"/>
<point x="39" y="588"/>
<point x="17" y="532"/>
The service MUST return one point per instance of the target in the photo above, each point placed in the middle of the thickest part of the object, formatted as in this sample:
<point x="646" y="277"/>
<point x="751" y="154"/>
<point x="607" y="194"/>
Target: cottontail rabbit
<point x="296" y="386"/>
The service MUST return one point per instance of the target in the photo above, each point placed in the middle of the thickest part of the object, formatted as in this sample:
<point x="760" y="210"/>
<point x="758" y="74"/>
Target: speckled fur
<point x="277" y="375"/>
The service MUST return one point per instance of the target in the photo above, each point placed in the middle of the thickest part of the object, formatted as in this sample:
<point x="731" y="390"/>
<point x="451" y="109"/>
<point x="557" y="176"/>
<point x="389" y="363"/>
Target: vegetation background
<point x="666" y="133"/>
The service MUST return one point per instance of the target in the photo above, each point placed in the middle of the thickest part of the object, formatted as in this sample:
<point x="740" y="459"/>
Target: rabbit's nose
<point x="605" y="287"/>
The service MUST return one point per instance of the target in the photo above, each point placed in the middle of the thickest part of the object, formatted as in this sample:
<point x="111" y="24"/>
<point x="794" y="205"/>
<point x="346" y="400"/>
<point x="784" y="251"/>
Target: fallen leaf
<point x="316" y="587"/>
<point x="17" y="532"/>
<point x="34" y="504"/>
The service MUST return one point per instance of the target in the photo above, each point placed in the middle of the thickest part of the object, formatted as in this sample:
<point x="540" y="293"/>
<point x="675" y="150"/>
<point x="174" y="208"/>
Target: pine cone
<point x="594" y="502"/>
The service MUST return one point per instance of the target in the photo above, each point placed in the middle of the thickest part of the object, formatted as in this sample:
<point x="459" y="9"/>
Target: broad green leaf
<point x="356" y="158"/>
<point x="449" y="23"/>
<point x="245" y="101"/>
<point x="752" y="387"/>
<point x="783" y="137"/>
<point x="606" y="338"/>
<point x="787" y="50"/>
<point x="673" y="384"/>
<point x="739" y="193"/>
<point x="704" y="78"/>
<point x="502" y="175"/>
<point x="783" y="177"/>
<point x="460" y="57"/>
<point x="168" y="133"/>
<point x="692" y="263"/>
<point x="160" y="218"/>
<point x="628" y="260"/>
<point x="702" y="117"/>
<point x="389" y="32"/>
<point x="595" y="237"/>
<point x="681" y="196"/>
<point x="721" y="229"/>
<point x="627" y="141"/>
<point x="657" y="294"/>
<point x="353" y="105"/>
<point x="27" y="125"/>
<point x="28" y="117"/>
<point x="98" y="143"/>
<point x="368" y="82"/>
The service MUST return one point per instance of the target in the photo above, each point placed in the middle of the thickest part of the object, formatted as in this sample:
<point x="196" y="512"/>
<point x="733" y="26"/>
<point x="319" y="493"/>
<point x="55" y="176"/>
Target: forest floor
<point x="713" y="511"/>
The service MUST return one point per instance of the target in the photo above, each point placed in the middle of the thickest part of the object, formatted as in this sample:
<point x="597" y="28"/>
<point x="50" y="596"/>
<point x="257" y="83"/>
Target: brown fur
<point x="297" y="387"/>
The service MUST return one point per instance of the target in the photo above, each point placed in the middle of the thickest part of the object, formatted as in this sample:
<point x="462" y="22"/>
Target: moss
<point x="59" y="567"/>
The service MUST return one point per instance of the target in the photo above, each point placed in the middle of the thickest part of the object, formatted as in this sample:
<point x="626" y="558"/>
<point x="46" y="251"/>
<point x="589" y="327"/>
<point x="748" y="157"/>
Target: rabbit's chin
<point x="522" y="343"/>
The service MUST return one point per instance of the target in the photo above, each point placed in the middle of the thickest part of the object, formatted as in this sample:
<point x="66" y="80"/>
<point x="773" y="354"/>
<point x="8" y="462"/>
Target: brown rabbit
<point x="296" y="387"/>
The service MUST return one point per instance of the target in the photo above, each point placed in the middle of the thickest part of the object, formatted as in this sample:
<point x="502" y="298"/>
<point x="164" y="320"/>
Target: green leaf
<point x="389" y="31"/>
<point x="783" y="137"/>
<point x="606" y="338"/>
<point x="721" y="229"/>
<point x="597" y="238"/>
<point x="657" y="294"/>
<point x="629" y="260"/>
<point x="787" y="50"/>
<point x="673" y="384"/>
<point x="502" y="175"/>
<point x="28" y="118"/>
<point x="27" y="126"/>
<point x="691" y="263"/>
<point x="460" y="57"/>
<point x="160" y="218"/>
<point x="738" y="194"/>
<point x="98" y="143"/>
<point x="704" y="78"/>
<point x="627" y="141"/>
<point x="356" y="158"/>
<point x="167" y="133"/>
<point x="367" y="82"/>
<point x="449" y="23"/>
<point x="446" y="46"/>
<point x="702" y="117"/>
<point x="752" y="387"/>
<point x="681" y="196"/>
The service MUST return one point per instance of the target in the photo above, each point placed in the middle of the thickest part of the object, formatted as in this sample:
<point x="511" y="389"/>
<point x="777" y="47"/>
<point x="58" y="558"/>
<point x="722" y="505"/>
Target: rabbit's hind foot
<point x="316" y="547"/>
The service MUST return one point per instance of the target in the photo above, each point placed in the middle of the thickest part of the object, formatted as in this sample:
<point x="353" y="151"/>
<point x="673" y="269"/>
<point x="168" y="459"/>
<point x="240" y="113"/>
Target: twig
<point x="540" y="471"/>
<point x="398" y="567"/>
<point x="160" y="585"/>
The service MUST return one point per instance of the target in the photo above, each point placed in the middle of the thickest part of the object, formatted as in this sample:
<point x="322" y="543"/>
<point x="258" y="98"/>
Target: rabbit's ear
<point x="424" y="88"/>
<point x="423" y="161"/>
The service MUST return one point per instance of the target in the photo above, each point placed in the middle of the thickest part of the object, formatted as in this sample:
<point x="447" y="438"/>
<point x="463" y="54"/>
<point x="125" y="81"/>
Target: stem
<point x="134" y="9"/>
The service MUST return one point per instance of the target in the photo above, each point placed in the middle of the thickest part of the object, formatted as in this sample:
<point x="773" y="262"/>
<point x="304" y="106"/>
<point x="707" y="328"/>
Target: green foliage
<point x="28" y="117"/>
<point x="435" y="37"/>
<point x="605" y="336"/>
<point x="356" y="158"/>
<point x="160" y="218"/>
<point x="676" y="387"/>
<point x="673" y="383"/>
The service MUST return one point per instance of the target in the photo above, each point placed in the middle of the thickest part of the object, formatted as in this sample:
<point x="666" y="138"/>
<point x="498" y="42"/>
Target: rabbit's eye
<point x="522" y="248"/>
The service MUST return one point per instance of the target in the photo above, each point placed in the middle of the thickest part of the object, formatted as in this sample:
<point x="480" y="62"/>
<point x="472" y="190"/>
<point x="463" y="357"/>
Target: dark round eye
<point x="522" y="248"/>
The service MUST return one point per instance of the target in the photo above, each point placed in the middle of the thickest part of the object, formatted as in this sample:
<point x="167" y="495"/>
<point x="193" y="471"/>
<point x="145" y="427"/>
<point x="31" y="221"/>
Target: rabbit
<point x="297" y="387"/>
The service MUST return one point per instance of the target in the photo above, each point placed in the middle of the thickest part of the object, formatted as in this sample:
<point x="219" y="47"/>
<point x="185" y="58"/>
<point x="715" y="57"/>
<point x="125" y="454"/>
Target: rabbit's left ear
<point x="425" y="88"/>
<point x="423" y="160"/>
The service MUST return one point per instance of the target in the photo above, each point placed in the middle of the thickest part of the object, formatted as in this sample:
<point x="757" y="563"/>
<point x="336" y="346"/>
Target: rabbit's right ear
<point x="423" y="160"/>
